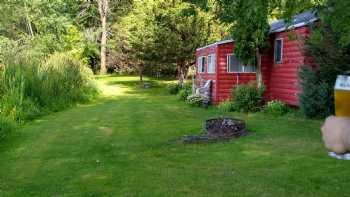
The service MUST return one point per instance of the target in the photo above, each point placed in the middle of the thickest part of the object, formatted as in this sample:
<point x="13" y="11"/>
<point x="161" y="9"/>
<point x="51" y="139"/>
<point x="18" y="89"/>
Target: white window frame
<point x="200" y="65"/>
<point x="274" y="51"/>
<point x="212" y="57"/>
<point x="228" y="65"/>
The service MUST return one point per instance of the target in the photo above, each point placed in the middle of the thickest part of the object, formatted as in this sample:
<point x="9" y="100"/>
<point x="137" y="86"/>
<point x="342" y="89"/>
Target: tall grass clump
<point x="29" y="89"/>
<point x="6" y="127"/>
<point x="64" y="81"/>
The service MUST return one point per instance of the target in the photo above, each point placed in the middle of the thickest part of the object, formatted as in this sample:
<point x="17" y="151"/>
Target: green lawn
<point x="123" y="145"/>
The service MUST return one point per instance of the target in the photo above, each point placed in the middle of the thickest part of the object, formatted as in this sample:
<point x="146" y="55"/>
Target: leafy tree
<point x="336" y="14"/>
<point x="250" y="27"/>
<point x="180" y="28"/>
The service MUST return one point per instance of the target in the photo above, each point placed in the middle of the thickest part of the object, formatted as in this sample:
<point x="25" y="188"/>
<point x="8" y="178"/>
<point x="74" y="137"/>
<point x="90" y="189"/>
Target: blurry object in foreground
<point x="336" y="134"/>
<point x="342" y="96"/>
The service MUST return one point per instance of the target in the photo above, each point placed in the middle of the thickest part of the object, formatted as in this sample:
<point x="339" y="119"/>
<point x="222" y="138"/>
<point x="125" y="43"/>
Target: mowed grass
<point x="125" y="145"/>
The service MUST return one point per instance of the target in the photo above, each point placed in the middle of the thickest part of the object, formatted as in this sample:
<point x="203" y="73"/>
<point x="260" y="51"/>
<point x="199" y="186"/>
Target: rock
<point x="336" y="134"/>
<point x="147" y="85"/>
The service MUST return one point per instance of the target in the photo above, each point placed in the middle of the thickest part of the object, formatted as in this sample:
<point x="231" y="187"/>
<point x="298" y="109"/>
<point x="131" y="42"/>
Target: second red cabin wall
<point x="202" y="78"/>
<point x="281" y="80"/>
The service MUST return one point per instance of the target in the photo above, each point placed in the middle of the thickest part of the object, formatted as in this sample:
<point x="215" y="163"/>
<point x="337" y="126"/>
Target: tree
<point x="250" y="28"/>
<point x="103" y="9"/>
<point x="179" y="29"/>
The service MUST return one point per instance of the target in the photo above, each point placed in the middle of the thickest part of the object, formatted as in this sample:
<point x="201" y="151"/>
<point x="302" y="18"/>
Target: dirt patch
<point x="106" y="130"/>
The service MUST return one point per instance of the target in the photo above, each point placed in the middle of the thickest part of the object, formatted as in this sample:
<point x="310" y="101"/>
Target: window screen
<point x="278" y="50"/>
<point x="234" y="65"/>
<point x="211" y="63"/>
<point x="201" y="64"/>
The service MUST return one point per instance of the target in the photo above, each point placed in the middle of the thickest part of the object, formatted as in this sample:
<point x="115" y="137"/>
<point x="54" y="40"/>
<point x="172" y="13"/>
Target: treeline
<point x="159" y="37"/>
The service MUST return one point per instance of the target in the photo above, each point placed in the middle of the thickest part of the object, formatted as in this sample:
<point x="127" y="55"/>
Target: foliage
<point x="6" y="127"/>
<point x="179" y="29"/>
<point x="330" y="52"/>
<point x="195" y="100"/>
<point x="226" y="106"/>
<point x="248" y="97"/>
<point x="250" y="26"/>
<point x="66" y="79"/>
<point x="185" y="91"/>
<point x="28" y="90"/>
<point x="336" y="14"/>
<point x="174" y="88"/>
<point x="276" y="107"/>
<point x="317" y="96"/>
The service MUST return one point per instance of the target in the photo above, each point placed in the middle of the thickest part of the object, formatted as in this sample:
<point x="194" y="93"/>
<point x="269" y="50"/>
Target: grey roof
<point x="297" y="21"/>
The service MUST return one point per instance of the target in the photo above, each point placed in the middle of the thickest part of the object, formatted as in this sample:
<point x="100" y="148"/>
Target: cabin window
<point x="236" y="66"/>
<point x="278" y="50"/>
<point x="211" y="63"/>
<point x="201" y="64"/>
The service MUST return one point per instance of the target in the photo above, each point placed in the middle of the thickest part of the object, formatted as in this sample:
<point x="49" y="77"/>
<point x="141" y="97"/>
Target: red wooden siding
<point x="280" y="80"/>
<point x="227" y="81"/>
<point x="283" y="83"/>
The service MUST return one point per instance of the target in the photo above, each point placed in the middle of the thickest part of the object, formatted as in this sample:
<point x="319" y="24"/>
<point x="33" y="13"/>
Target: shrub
<point x="226" y="106"/>
<point x="6" y="126"/>
<point x="276" y="107"/>
<point x="195" y="100"/>
<point x="248" y="97"/>
<point x="174" y="88"/>
<point x="185" y="92"/>
<point x="317" y="97"/>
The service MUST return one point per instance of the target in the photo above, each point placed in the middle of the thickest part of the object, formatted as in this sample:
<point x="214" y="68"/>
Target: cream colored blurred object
<point x="336" y="134"/>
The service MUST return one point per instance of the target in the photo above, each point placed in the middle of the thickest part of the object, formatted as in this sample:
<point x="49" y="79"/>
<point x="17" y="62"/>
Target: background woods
<point x="159" y="37"/>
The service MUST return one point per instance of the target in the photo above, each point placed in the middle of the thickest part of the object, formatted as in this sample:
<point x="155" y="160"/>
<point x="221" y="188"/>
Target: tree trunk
<point x="258" y="68"/>
<point x="141" y="69"/>
<point x="103" y="9"/>
<point x="181" y="74"/>
<point x="29" y="23"/>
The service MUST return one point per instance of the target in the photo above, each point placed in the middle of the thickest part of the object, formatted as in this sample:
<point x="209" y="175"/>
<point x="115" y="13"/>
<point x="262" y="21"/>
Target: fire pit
<point x="219" y="129"/>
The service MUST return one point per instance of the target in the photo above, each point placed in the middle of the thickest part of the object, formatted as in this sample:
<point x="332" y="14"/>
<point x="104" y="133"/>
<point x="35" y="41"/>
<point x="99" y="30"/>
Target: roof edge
<point x="215" y="44"/>
<point x="302" y="24"/>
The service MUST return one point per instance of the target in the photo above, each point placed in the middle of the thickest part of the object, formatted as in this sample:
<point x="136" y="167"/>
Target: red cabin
<point x="279" y="64"/>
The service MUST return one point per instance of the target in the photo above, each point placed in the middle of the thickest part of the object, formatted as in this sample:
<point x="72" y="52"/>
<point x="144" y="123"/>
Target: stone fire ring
<point x="218" y="129"/>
